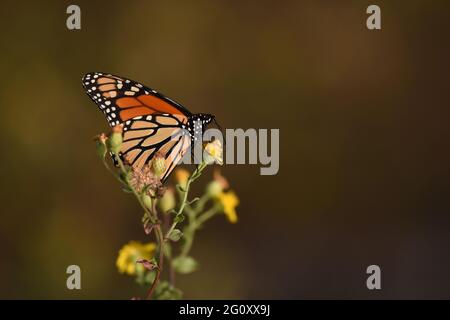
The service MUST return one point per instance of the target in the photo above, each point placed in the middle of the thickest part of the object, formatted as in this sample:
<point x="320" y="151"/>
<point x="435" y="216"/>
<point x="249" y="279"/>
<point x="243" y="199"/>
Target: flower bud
<point x="115" y="139"/>
<point x="100" y="144"/>
<point x="147" y="200"/>
<point x="220" y="179"/>
<point x="167" y="201"/>
<point x="158" y="165"/>
<point x="182" y="176"/>
<point x="213" y="189"/>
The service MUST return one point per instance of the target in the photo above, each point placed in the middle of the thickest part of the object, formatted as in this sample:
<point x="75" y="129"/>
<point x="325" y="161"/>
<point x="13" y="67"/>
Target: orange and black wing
<point x="145" y="136"/>
<point x="122" y="99"/>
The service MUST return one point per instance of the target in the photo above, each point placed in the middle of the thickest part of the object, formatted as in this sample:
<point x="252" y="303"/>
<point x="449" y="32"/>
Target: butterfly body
<point x="152" y="123"/>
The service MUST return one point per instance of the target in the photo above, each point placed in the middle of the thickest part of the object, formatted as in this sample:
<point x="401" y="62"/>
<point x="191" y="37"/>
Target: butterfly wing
<point x="122" y="99"/>
<point x="145" y="136"/>
<point x="152" y="122"/>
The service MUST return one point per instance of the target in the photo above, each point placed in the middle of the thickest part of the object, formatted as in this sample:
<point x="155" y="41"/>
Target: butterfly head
<point x="198" y="122"/>
<point x="201" y="119"/>
<point x="205" y="118"/>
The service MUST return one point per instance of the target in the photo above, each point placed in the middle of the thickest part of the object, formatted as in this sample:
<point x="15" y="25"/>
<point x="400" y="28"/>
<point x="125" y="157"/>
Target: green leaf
<point x="181" y="188"/>
<point x="184" y="265"/>
<point x="193" y="200"/>
<point x="175" y="235"/>
<point x="127" y="190"/>
<point x="177" y="294"/>
<point x="164" y="291"/>
<point x="160" y="288"/>
<point x="178" y="218"/>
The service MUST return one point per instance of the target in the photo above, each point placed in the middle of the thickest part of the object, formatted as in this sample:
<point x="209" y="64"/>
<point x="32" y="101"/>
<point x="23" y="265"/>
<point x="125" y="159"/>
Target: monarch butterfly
<point x="152" y="123"/>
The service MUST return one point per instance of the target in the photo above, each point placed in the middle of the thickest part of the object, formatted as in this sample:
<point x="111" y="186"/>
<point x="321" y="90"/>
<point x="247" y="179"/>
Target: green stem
<point x="194" y="225"/>
<point x="153" y="218"/>
<point x="185" y="191"/>
<point x="152" y="215"/>
<point x="160" y="239"/>
<point x="189" y="239"/>
<point x="200" y="205"/>
<point x="115" y="175"/>
<point x="190" y="212"/>
<point x="207" y="215"/>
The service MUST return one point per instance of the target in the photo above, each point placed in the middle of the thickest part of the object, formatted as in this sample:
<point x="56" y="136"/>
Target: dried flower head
<point x="144" y="178"/>
<point x="101" y="138"/>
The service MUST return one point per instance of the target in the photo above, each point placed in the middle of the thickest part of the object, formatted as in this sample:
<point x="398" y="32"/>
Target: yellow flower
<point x="213" y="152"/>
<point x="182" y="176"/>
<point x="229" y="202"/>
<point x="130" y="253"/>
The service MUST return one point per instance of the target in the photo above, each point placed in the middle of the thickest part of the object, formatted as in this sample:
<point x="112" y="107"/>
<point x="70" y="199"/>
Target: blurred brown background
<point x="363" y="118"/>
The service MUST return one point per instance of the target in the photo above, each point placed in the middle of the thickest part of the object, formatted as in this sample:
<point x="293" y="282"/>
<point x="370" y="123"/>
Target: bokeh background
<point x="364" y="159"/>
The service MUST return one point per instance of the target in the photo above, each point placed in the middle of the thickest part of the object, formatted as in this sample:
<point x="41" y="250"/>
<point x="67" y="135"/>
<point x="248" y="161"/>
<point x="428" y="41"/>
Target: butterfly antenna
<point x="220" y="128"/>
<point x="217" y="124"/>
